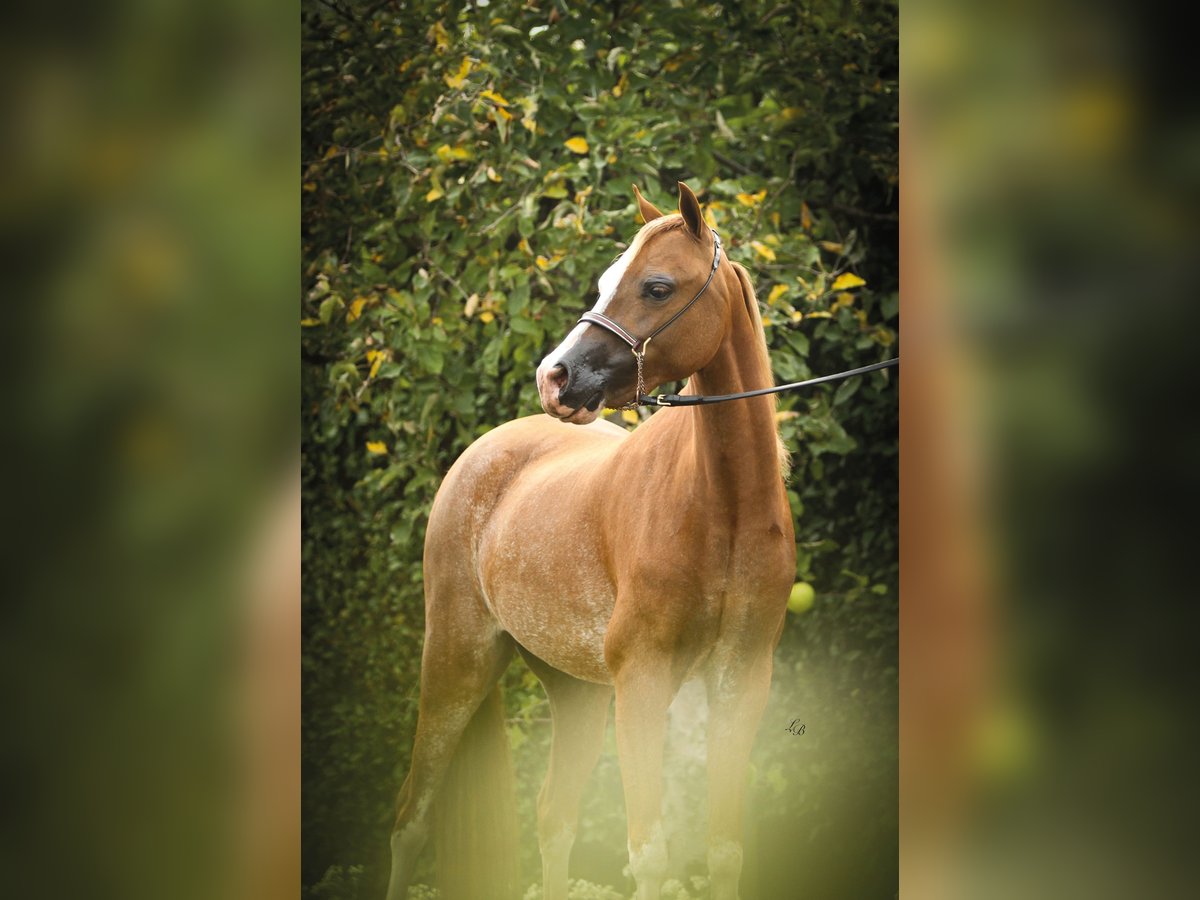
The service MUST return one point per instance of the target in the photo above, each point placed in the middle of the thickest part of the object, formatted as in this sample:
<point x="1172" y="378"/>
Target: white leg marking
<point x="725" y="869"/>
<point x="648" y="863"/>
<point x="556" y="857"/>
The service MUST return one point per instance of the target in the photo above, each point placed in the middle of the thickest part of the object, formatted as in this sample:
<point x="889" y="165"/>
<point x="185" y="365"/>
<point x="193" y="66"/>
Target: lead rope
<point x="708" y="399"/>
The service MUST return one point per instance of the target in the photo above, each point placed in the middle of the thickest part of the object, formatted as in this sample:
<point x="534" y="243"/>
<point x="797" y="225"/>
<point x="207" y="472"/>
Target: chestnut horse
<point x="613" y="561"/>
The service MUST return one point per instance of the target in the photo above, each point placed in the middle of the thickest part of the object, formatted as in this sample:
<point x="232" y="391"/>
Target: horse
<point x="615" y="562"/>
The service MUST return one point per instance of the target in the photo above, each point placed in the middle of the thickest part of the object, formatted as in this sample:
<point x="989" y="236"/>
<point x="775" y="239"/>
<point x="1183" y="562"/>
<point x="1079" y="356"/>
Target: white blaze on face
<point x="607" y="287"/>
<point x="608" y="284"/>
<point x="547" y="387"/>
<point x="611" y="280"/>
<point x="560" y="351"/>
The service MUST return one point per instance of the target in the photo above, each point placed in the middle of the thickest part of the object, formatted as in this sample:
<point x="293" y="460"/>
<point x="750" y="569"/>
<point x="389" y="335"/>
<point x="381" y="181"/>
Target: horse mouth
<point x="585" y="412"/>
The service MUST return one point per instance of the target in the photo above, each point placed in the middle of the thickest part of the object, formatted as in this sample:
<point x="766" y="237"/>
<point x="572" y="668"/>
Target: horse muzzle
<point x="573" y="396"/>
<point x="587" y="371"/>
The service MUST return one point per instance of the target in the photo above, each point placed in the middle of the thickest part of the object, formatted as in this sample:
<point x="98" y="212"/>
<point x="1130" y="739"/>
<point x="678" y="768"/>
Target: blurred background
<point x="1051" y="155"/>
<point x="467" y="176"/>
<point x="149" y="210"/>
<point x="151" y="633"/>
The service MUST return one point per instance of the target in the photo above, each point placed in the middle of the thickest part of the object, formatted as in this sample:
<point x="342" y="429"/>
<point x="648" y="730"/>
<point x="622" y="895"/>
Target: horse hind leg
<point x="579" y="710"/>
<point x="736" y="700"/>
<point x="460" y="713"/>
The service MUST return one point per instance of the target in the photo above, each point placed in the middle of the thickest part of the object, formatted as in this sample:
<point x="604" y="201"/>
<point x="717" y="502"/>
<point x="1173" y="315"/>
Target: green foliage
<point x="466" y="177"/>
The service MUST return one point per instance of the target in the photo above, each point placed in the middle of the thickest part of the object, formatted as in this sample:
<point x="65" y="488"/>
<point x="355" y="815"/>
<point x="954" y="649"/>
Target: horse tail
<point x="478" y="855"/>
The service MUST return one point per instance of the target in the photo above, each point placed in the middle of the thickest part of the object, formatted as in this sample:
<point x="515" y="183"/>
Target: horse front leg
<point x="737" y="697"/>
<point x="580" y="713"/>
<point x="644" y="688"/>
<point x="459" y="671"/>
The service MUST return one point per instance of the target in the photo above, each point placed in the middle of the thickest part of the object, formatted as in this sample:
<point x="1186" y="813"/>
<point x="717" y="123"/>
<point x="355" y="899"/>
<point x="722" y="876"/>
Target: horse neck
<point x="735" y="445"/>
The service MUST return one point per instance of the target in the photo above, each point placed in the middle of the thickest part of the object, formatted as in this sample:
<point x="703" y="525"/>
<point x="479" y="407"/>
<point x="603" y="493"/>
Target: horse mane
<point x="668" y="222"/>
<point x="751" y="300"/>
<point x="764" y="356"/>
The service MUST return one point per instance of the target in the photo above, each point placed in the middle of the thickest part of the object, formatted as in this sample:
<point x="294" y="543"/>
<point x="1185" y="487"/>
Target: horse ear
<point x="689" y="208"/>
<point x="645" y="207"/>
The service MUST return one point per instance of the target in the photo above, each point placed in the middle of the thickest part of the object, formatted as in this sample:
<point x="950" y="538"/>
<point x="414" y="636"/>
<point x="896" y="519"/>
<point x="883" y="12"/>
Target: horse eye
<point x="659" y="290"/>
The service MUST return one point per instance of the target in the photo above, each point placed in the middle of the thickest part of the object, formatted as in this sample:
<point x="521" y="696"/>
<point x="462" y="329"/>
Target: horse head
<point x="668" y="269"/>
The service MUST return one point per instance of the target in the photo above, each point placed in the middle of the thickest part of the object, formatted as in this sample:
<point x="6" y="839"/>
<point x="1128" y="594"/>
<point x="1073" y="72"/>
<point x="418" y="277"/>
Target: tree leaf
<point x="457" y="80"/>
<point x="763" y="250"/>
<point x="845" y="281"/>
<point x="329" y="306"/>
<point x="494" y="97"/>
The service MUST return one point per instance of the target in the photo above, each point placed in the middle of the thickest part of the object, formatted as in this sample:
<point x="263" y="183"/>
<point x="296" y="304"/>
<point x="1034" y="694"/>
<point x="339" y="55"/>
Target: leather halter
<point x="638" y="346"/>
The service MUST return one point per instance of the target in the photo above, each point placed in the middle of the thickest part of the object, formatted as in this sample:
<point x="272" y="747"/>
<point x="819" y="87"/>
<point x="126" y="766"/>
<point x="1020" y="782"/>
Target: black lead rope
<point x="639" y="348"/>
<point x="706" y="399"/>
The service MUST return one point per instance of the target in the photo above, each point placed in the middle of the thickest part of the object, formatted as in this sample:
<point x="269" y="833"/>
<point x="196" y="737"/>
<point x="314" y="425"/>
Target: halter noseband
<point x="639" y="346"/>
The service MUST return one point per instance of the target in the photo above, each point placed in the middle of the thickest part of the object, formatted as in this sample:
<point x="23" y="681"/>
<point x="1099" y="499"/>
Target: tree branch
<point x="733" y="163"/>
<point x="864" y="213"/>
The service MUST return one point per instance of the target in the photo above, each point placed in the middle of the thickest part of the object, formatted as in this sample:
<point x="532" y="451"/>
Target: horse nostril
<point x="558" y="377"/>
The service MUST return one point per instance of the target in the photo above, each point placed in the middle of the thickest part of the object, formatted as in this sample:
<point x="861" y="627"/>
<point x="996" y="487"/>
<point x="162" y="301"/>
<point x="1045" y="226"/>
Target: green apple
<point x="801" y="598"/>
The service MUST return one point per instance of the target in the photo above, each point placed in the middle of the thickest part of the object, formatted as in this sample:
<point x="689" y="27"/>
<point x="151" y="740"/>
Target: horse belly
<point x="543" y="582"/>
<point x="563" y="623"/>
